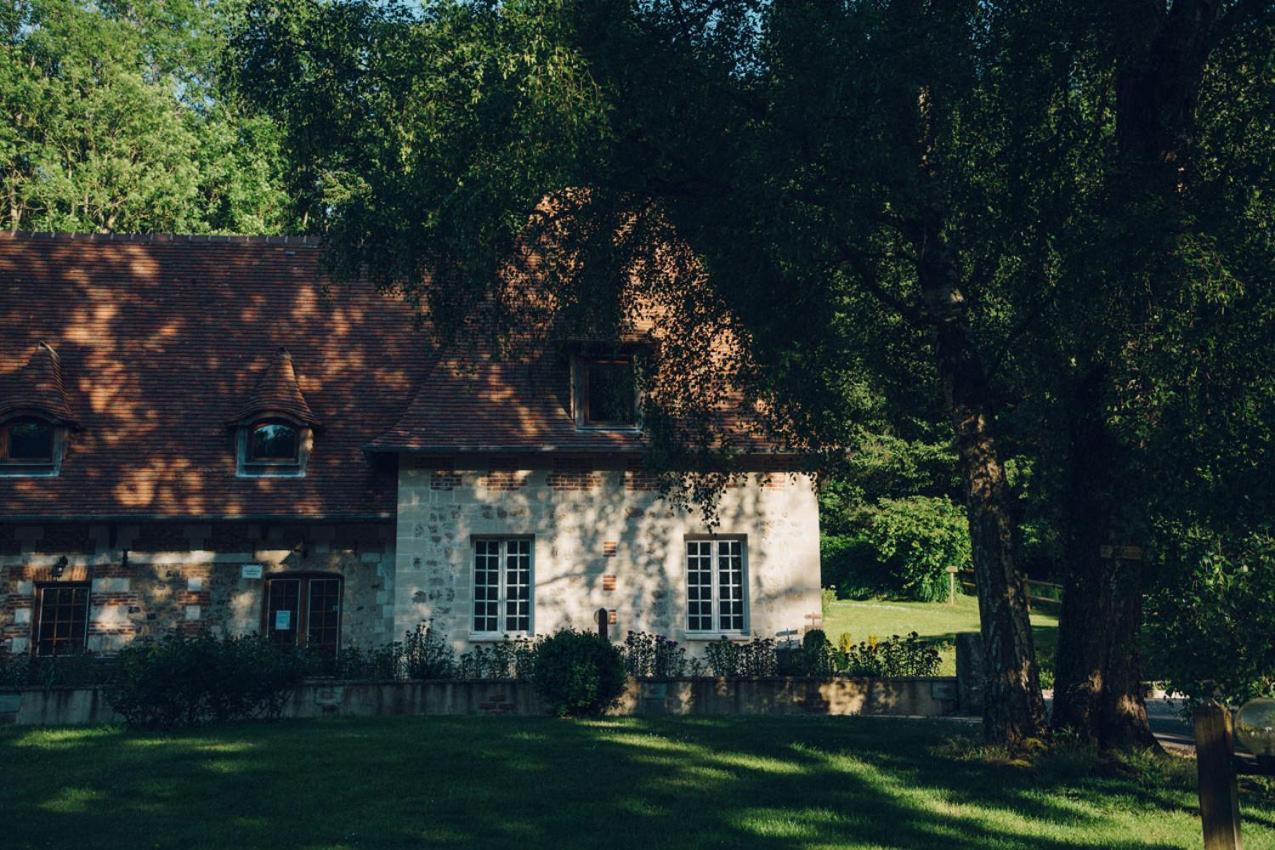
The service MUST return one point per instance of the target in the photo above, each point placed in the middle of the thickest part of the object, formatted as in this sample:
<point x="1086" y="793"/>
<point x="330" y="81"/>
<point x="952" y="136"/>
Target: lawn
<point x="936" y="620"/>
<point x="480" y="782"/>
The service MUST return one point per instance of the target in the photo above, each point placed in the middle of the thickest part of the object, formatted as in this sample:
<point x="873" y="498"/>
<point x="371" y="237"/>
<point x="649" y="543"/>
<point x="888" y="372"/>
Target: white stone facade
<point x="598" y="530"/>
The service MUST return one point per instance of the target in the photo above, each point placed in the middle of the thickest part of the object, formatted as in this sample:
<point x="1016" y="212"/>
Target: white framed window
<point x="715" y="588"/>
<point x="273" y="448"/>
<point x="502" y="586"/>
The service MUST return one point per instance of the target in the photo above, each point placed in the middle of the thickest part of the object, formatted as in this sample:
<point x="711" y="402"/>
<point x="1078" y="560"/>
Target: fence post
<point x="951" y="585"/>
<point x="1219" y="792"/>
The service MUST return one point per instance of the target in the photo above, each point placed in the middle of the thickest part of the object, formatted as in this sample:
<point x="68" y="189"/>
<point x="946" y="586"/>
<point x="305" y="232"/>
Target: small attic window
<point x="606" y="392"/>
<point x="30" y="446"/>
<point x="274" y="443"/>
<point x="28" y="440"/>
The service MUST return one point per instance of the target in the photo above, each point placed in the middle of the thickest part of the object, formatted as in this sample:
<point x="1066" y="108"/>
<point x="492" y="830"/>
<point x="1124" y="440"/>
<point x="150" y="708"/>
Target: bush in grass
<point x="850" y="567"/>
<point x="81" y="669"/>
<point x="578" y="673"/>
<point x="186" y="681"/>
<point x="916" y="539"/>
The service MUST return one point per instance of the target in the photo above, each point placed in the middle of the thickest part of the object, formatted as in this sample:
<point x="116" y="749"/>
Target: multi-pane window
<point x="502" y="585"/>
<point x="62" y="619"/>
<point x="715" y="585"/>
<point x="305" y="611"/>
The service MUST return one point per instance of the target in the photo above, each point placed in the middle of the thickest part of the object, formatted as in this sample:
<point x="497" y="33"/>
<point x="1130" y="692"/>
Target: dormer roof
<point x="277" y="393"/>
<point x="37" y="387"/>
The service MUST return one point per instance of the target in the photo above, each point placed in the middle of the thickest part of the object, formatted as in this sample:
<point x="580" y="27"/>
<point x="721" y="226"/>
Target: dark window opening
<point x="273" y="443"/>
<point x="27" y="441"/>
<point x="62" y="619"/>
<point x="305" y="611"/>
<point x="608" y="390"/>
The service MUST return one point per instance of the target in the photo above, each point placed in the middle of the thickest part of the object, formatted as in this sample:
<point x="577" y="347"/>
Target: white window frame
<point x="502" y="592"/>
<point x="247" y="468"/>
<point x="716" y="543"/>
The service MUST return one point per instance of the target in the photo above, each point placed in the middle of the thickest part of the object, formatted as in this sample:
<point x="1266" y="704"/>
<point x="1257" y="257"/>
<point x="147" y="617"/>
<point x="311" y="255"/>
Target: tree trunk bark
<point x="1098" y="687"/>
<point x="1098" y="675"/>
<point x="1014" y="707"/>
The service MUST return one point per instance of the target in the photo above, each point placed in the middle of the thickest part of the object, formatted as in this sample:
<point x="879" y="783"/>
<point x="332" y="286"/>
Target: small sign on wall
<point x="251" y="571"/>
<point x="282" y="621"/>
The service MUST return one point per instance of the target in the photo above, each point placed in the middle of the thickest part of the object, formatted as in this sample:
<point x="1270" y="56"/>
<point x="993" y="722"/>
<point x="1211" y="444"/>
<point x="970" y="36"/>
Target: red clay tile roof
<point x="163" y="340"/>
<point x="37" y="387"/>
<point x="477" y="403"/>
<point x="277" y="393"/>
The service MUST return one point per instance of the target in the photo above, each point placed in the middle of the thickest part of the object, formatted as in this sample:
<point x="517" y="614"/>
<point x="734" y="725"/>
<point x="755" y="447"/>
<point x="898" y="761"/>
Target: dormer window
<point x="275" y="429"/>
<point x="28" y="441"/>
<point x="606" y="392"/>
<point x="35" y="416"/>
<point x="274" y="443"/>
<point x="273" y="447"/>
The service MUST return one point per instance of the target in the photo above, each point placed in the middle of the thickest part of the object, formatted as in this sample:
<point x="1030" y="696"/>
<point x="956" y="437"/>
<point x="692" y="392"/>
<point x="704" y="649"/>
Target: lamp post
<point x="1218" y="766"/>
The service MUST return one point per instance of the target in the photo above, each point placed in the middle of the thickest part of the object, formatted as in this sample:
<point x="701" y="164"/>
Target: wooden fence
<point x="1041" y="595"/>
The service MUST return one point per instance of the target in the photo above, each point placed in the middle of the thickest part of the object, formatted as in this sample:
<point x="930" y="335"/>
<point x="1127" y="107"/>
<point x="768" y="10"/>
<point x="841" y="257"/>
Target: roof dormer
<point x="274" y="430"/>
<point x="35" y="416"/>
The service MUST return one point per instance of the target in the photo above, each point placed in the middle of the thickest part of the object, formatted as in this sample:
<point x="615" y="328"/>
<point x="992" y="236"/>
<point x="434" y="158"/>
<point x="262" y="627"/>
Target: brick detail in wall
<point x="641" y="479"/>
<point x="444" y="479"/>
<point x="504" y="479"/>
<point x="573" y="475"/>
<point x="609" y="548"/>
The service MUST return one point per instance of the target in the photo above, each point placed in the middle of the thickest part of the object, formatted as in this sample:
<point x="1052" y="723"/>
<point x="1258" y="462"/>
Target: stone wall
<point x="603" y="538"/>
<point x="186" y="577"/>
<point x="907" y="697"/>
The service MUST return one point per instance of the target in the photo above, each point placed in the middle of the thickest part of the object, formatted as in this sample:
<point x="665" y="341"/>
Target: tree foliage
<point x="117" y="122"/>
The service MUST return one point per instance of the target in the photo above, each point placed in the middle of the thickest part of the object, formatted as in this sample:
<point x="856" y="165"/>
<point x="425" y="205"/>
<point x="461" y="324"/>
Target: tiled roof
<point x="37" y="387"/>
<point x="164" y="340"/>
<point x="278" y="393"/>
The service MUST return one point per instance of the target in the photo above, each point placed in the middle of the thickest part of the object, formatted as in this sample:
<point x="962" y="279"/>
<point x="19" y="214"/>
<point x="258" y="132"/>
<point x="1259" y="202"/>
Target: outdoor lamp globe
<point x="1255" y="727"/>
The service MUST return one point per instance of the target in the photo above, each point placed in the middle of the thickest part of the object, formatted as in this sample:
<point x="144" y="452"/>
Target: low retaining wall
<point x="920" y="697"/>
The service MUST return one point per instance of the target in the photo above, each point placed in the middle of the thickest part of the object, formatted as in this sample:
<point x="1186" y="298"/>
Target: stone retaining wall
<point x="919" y="697"/>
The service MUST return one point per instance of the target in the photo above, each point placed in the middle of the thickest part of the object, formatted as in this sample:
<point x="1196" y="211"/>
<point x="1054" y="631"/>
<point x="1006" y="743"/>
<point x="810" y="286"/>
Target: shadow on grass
<point x="769" y="783"/>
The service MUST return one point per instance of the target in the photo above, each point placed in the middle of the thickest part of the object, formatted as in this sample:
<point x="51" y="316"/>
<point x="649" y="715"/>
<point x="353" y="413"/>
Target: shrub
<point x="908" y="656"/>
<point x="648" y="656"/>
<point x="79" y="670"/>
<point x="427" y="654"/>
<point x="578" y="673"/>
<point x="916" y="539"/>
<point x="506" y="659"/>
<point x="756" y="658"/>
<point x="185" y="681"/>
<point x="850" y="567"/>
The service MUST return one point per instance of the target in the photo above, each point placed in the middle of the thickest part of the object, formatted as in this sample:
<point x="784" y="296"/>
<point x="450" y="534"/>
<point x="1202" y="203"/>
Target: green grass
<point x="936" y="620"/>
<point x="762" y="783"/>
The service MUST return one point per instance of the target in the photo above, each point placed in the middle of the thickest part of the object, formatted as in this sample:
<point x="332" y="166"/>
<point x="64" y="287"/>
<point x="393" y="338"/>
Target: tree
<point x="810" y="154"/>
<point x="117" y="123"/>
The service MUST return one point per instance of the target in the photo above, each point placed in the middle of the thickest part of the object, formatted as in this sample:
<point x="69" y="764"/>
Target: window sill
<point x="32" y="471"/>
<point x="712" y="636"/>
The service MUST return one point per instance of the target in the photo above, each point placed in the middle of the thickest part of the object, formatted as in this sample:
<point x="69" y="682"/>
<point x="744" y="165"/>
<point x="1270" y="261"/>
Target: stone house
<point x="204" y="433"/>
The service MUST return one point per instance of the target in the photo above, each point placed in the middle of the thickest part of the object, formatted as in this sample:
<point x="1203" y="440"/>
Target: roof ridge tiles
<point x="197" y="238"/>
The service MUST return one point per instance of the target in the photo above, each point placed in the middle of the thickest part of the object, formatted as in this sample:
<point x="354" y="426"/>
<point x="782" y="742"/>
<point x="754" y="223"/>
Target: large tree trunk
<point x="1014" y="707"/>
<point x="1098" y="687"/>
<point x="1097" y="683"/>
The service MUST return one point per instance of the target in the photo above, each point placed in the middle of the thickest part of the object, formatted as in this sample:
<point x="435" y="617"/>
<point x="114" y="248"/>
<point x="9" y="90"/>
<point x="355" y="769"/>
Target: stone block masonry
<point x="186" y="577"/>
<point x="601" y="538"/>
